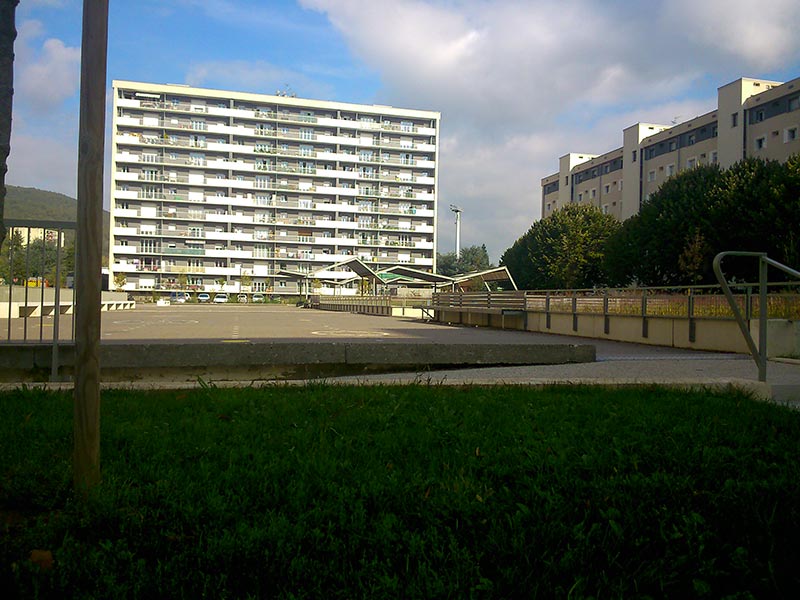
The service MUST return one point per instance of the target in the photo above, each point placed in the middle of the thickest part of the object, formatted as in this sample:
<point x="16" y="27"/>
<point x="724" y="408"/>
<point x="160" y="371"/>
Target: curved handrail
<point x="759" y="354"/>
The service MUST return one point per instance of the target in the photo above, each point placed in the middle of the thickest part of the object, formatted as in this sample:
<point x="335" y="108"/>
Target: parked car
<point x="179" y="297"/>
<point x="258" y="298"/>
<point x="241" y="298"/>
<point x="220" y="298"/>
<point x="203" y="297"/>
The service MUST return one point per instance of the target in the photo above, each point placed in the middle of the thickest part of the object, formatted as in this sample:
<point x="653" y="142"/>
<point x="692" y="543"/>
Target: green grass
<point x="415" y="492"/>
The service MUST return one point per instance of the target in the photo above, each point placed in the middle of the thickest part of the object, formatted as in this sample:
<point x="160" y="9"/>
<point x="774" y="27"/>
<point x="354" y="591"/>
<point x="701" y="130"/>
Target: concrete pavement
<point x="617" y="363"/>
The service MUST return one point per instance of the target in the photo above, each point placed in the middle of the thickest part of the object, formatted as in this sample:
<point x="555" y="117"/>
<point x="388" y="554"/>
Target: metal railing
<point x="759" y="354"/>
<point x="34" y="284"/>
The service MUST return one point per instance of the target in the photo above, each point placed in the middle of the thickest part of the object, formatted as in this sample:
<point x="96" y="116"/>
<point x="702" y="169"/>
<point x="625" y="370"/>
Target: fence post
<point x="574" y="311"/>
<point x="762" y="319"/>
<point x="690" y="315"/>
<point x="547" y="309"/>
<point x="606" y="318"/>
<point x="644" y="314"/>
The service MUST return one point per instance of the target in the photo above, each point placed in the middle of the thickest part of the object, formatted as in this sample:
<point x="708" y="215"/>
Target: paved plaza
<point x="617" y="362"/>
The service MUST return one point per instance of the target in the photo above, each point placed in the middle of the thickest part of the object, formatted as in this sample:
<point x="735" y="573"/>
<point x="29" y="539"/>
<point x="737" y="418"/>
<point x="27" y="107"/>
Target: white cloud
<point x="521" y="83"/>
<point x="756" y="33"/>
<point x="255" y="76"/>
<point x="45" y="163"/>
<point x="45" y="76"/>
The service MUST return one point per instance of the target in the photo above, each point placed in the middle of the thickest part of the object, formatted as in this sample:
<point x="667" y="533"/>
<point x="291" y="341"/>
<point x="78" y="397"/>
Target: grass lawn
<point x="415" y="492"/>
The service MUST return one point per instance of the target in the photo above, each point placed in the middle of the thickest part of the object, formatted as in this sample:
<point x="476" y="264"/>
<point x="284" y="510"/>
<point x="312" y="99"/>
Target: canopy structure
<point x="354" y="269"/>
<point x="470" y="281"/>
<point x="404" y="274"/>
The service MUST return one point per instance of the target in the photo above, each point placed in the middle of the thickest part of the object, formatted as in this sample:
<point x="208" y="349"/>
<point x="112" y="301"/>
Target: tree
<point x="672" y="223"/>
<point x="565" y="250"/>
<point x="752" y="206"/>
<point x="473" y="258"/>
<point x="8" y="33"/>
<point x="13" y="248"/>
<point x="119" y="281"/>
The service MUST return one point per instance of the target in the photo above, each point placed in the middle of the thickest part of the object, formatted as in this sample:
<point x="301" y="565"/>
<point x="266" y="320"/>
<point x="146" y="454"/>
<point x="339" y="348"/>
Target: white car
<point x="203" y="297"/>
<point x="242" y="298"/>
<point x="258" y="298"/>
<point x="220" y="298"/>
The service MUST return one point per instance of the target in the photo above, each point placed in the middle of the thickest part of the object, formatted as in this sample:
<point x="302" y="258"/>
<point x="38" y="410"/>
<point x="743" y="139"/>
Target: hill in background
<point x="33" y="203"/>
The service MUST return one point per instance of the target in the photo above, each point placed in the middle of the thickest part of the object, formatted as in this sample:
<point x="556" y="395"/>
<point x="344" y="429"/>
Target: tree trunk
<point x="8" y="34"/>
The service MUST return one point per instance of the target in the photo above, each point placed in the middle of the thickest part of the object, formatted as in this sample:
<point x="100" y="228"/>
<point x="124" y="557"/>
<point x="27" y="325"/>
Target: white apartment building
<point x="755" y="117"/>
<point x="217" y="190"/>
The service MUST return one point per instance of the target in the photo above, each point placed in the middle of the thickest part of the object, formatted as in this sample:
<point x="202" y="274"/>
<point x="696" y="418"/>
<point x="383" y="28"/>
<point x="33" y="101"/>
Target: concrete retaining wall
<point x="783" y="337"/>
<point x="276" y="360"/>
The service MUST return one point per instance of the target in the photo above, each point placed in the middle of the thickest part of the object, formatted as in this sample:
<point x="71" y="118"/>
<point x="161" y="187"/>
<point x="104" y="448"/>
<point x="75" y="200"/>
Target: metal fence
<point x="706" y="302"/>
<point x="36" y="303"/>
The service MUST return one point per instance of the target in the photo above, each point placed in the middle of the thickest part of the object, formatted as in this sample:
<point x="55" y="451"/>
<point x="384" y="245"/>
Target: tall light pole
<point x="458" y="211"/>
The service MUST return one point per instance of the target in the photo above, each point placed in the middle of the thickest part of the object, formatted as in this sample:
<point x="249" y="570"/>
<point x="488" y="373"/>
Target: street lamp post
<point x="458" y="211"/>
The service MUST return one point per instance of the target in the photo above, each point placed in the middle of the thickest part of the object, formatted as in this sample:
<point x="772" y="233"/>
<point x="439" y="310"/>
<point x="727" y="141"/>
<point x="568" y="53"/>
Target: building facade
<point x="754" y="118"/>
<point x="224" y="191"/>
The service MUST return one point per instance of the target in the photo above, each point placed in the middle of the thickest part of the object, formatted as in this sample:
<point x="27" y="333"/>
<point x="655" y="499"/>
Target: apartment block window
<point x="633" y="156"/>
<point x="672" y="145"/>
<point x="670" y="170"/>
<point x="714" y="157"/>
<point x="691" y="139"/>
<point x="594" y="192"/>
<point x="761" y="143"/>
<point x="605" y="209"/>
<point x="407" y="126"/>
<point x="306" y="150"/>
<point x="651" y="176"/>
<point x="789" y="135"/>
<point x="580" y="197"/>
<point x="691" y="163"/>
<point x="606" y="189"/>
<point x="759" y="116"/>
<point x="306" y="134"/>
<point x="794" y="103"/>
<point x="735" y="119"/>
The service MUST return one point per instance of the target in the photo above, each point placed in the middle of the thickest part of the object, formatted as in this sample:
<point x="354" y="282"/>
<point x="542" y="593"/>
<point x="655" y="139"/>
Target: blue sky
<point x="518" y="82"/>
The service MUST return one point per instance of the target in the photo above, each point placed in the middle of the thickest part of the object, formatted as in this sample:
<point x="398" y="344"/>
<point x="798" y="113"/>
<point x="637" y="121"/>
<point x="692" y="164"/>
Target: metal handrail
<point x="759" y="354"/>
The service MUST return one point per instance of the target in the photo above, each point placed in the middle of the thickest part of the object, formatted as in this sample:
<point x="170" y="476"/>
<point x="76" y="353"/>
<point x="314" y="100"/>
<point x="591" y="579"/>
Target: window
<point x="735" y="119"/>
<point x="606" y="189"/>
<point x="714" y="157"/>
<point x="594" y="192"/>
<point x="759" y="116"/>
<point x="651" y="176"/>
<point x="691" y="139"/>
<point x="670" y="170"/>
<point x="789" y="135"/>
<point x="794" y="103"/>
<point x="306" y="134"/>
<point x="605" y="209"/>
<point x="672" y="145"/>
<point x="761" y="143"/>
<point x="691" y="163"/>
<point x="633" y="156"/>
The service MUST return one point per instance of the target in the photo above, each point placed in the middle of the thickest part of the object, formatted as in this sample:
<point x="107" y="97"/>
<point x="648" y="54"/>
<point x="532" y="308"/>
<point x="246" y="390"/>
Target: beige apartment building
<point x="223" y="191"/>
<point x="753" y="118"/>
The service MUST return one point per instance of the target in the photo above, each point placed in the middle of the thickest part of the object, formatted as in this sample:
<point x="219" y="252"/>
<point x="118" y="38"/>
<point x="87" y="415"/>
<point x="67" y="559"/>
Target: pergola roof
<point x="416" y="274"/>
<point x="493" y="274"/>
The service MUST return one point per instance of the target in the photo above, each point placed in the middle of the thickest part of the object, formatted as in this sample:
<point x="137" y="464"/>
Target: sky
<point x="518" y="82"/>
